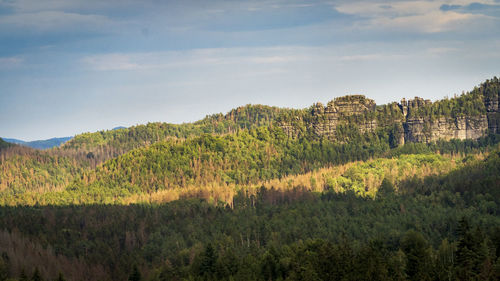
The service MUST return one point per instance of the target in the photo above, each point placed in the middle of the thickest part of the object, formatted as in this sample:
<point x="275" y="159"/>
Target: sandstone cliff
<point x="468" y="116"/>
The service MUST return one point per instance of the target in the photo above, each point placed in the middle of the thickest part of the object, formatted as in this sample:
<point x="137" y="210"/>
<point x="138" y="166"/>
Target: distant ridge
<point x="40" y="144"/>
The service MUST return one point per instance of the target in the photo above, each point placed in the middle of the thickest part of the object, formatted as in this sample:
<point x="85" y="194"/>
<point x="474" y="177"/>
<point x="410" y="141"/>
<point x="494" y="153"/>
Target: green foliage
<point x="26" y="169"/>
<point x="418" y="256"/>
<point x="296" y="237"/>
<point x="245" y="117"/>
<point x="467" y="104"/>
<point x="413" y="230"/>
<point x="386" y="188"/>
<point x="243" y="158"/>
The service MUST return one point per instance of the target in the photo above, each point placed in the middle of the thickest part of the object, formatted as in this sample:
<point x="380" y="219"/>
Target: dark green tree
<point x="418" y="258"/>
<point x="386" y="188"/>
<point x="36" y="275"/>
<point x="23" y="276"/>
<point x="208" y="262"/>
<point x="135" y="275"/>
<point x="60" y="277"/>
<point x="4" y="266"/>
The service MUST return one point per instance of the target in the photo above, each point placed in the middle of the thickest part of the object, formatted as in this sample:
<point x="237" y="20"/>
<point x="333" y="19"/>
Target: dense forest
<point x="236" y="197"/>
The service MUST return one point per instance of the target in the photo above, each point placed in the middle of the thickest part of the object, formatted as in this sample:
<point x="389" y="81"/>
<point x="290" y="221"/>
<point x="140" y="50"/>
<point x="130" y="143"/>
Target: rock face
<point x="491" y="102"/>
<point x="426" y="130"/>
<point x="408" y="120"/>
<point x="324" y="120"/>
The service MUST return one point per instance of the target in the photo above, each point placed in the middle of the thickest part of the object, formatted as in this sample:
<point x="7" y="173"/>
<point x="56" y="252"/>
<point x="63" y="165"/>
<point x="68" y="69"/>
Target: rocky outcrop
<point x="491" y="102"/>
<point x="426" y="130"/>
<point x="413" y="123"/>
<point x="325" y="119"/>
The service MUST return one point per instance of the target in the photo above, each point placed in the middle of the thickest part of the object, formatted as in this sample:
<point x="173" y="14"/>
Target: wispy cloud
<point x="55" y="21"/>
<point x="431" y="22"/>
<point x="370" y="57"/>
<point x="415" y="16"/>
<point x="189" y="58"/>
<point x="8" y="62"/>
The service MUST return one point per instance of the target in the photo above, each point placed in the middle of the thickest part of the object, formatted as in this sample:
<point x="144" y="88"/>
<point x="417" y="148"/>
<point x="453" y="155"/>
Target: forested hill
<point x="245" y="117"/>
<point x="435" y="218"/>
<point x="247" y="145"/>
<point x="350" y="191"/>
<point x="467" y="116"/>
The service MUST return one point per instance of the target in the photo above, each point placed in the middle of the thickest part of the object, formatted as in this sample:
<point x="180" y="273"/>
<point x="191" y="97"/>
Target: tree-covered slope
<point x="25" y="169"/>
<point x="244" y="158"/>
<point x="245" y="146"/>
<point x="234" y="159"/>
<point x="420" y="230"/>
<point x="217" y="167"/>
<point x="254" y="203"/>
<point x="245" y="117"/>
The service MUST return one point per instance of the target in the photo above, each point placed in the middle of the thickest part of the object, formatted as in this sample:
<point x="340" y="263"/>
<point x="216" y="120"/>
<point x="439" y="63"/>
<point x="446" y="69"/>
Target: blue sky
<point x="68" y="67"/>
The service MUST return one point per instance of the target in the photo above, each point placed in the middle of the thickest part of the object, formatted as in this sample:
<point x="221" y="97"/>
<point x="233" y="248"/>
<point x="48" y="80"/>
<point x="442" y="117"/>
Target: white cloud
<point x="370" y="57"/>
<point x="190" y="58"/>
<point x="441" y="50"/>
<point x="413" y="16"/>
<point x="110" y="62"/>
<point x="431" y="22"/>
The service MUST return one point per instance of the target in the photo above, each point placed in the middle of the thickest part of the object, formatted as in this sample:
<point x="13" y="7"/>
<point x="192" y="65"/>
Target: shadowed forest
<point x="237" y="197"/>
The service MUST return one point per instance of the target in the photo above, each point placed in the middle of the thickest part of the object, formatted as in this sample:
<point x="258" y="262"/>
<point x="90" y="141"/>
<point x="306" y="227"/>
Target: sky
<point x="68" y="67"/>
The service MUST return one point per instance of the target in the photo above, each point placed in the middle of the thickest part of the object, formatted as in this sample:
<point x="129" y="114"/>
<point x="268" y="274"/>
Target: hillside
<point x="469" y="116"/>
<point x="247" y="145"/>
<point x="245" y="117"/>
<point x="428" y="222"/>
<point x="347" y="191"/>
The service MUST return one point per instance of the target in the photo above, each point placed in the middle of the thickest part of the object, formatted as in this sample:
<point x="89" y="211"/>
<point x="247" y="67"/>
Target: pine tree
<point x="416" y="249"/>
<point x="60" y="277"/>
<point x="208" y="262"/>
<point x="135" y="275"/>
<point x="36" y="275"/>
<point x="23" y="276"/>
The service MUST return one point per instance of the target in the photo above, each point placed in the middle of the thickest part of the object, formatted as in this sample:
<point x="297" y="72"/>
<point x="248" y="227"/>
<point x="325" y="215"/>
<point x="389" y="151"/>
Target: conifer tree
<point x="135" y="275"/>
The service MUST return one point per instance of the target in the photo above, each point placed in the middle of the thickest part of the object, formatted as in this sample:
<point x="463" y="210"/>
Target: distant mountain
<point x="40" y="144"/>
<point x="119" y="128"/>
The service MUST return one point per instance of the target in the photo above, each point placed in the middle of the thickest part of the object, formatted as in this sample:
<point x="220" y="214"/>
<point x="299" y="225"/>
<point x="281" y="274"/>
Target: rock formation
<point x="411" y="120"/>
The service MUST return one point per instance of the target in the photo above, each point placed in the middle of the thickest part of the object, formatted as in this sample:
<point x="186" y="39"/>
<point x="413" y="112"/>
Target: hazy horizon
<point x="68" y="67"/>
